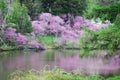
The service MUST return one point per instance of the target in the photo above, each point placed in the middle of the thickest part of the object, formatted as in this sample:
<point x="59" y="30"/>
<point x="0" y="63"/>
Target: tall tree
<point x="74" y="7"/>
<point x="47" y="5"/>
<point x="34" y="7"/>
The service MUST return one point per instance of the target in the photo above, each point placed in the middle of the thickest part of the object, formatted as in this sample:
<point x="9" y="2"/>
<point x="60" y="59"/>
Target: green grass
<point x="56" y="74"/>
<point x="19" y="75"/>
<point x="114" y="78"/>
<point x="48" y="40"/>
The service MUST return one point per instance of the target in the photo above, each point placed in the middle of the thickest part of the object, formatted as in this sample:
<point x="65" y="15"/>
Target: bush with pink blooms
<point x="21" y="40"/>
<point x="67" y="27"/>
<point x="12" y="36"/>
<point x="36" y="45"/>
<point x="47" y="24"/>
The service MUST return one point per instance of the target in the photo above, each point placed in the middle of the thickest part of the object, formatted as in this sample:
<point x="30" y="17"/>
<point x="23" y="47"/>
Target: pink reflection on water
<point x="18" y="61"/>
<point x="91" y="65"/>
<point x="35" y="60"/>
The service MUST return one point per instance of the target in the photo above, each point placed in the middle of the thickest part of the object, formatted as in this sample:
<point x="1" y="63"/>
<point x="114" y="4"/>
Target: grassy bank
<point x="56" y="74"/>
<point x="47" y="40"/>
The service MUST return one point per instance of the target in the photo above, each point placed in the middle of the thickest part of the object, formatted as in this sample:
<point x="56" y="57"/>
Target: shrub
<point x="10" y="34"/>
<point x="3" y="8"/>
<point x="23" y="76"/>
<point x="18" y="15"/>
<point x="68" y="28"/>
<point x="56" y="74"/>
<point x="20" y="40"/>
<point x="90" y="9"/>
<point x="106" y="11"/>
<point x="15" y="38"/>
<point x="105" y="38"/>
<point x="36" y="45"/>
<point x="47" y="24"/>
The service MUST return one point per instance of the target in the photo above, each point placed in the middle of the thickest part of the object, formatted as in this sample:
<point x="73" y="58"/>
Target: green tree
<point x="47" y="5"/>
<point x="3" y="7"/>
<point x="74" y="7"/>
<point x="105" y="38"/>
<point x="34" y="7"/>
<point x="103" y="9"/>
<point x="18" y="15"/>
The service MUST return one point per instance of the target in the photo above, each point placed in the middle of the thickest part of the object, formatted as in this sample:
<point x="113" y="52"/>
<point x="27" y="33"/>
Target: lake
<point x="97" y="63"/>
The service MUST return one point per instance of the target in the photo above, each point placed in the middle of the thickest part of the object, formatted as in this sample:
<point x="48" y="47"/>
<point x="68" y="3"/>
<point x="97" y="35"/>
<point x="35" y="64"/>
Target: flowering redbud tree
<point x="67" y="27"/>
<point x="21" y="40"/>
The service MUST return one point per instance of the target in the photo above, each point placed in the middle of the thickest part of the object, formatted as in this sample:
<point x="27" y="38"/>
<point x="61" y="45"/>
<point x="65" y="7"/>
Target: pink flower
<point x="35" y="44"/>
<point x="10" y="34"/>
<point x="45" y="16"/>
<point x="21" y="39"/>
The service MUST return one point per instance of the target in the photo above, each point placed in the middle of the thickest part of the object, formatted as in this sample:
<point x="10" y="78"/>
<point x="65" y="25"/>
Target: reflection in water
<point x="91" y="65"/>
<point x="97" y="64"/>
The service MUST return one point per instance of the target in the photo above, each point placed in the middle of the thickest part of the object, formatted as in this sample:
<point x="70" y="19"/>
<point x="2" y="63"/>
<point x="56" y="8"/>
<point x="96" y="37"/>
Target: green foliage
<point x="104" y="11"/>
<point x="34" y="7"/>
<point x="117" y="21"/>
<point x="56" y="74"/>
<point x="3" y="7"/>
<point x="88" y="40"/>
<point x="114" y="78"/>
<point x="90" y="9"/>
<point x="111" y="35"/>
<point x="74" y="7"/>
<point x="47" y="5"/>
<point x="19" y="75"/>
<point x="18" y="15"/>
<point x="105" y="38"/>
<point x="48" y="40"/>
<point x="55" y="7"/>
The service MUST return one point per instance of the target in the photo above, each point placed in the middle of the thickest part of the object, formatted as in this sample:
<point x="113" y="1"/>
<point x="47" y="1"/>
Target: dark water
<point x="97" y="63"/>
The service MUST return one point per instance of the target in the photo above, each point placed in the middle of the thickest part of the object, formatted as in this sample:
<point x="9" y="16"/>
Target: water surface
<point x="69" y="60"/>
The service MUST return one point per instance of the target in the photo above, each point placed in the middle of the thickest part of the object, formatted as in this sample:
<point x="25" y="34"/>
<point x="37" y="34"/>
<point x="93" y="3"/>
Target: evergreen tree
<point x="74" y="7"/>
<point x="34" y="7"/>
